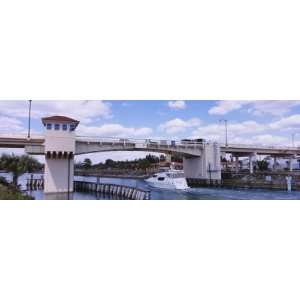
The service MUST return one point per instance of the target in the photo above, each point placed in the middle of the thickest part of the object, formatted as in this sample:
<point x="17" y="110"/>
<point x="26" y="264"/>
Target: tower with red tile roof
<point x="59" y="154"/>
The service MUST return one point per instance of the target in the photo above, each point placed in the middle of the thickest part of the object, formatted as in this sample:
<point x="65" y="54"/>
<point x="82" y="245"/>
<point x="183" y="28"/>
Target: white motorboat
<point x="170" y="179"/>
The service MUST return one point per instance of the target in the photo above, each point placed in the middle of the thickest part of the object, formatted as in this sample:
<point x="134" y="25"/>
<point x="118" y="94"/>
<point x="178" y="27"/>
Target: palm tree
<point x="19" y="165"/>
<point x="87" y="164"/>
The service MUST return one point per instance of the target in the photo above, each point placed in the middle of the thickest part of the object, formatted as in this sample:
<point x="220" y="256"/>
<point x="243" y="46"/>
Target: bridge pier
<point x="168" y="158"/>
<point x="252" y="158"/>
<point x="291" y="163"/>
<point x="206" y="166"/>
<point x="274" y="163"/>
<point x="237" y="164"/>
<point x="59" y="173"/>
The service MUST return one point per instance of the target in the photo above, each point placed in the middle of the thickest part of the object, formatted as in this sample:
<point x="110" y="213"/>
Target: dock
<point x="119" y="191"/>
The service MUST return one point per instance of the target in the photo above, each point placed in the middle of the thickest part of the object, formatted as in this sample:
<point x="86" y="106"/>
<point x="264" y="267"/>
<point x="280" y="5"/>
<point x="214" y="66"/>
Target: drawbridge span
<point x="59" y="144"/>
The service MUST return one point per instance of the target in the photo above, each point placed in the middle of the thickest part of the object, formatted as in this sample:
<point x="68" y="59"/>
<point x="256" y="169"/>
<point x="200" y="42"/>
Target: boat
<point x="170" y="179"/>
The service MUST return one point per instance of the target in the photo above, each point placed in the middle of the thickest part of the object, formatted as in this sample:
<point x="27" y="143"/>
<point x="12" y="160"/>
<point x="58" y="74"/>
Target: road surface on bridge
<point x="84" y="145"/>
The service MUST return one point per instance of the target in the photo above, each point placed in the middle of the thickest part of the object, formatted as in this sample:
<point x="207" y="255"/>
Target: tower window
<point x="49" y="126"/>
<point x="65" y="127"/>
<point x="56" y="126"/>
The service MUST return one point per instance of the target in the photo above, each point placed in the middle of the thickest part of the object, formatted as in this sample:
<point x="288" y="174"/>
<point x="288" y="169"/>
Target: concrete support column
<point x="168" y="158"/>
<point x="193" y="167"/>
<point x="252" y="159"/>
<point x="251" y="164"/>
<point x="275" y="163"/>
<point x="223" y="156"/>
<point x="59" y="175"/>
<point x="205" y="166"/>
<point x="236" y="164"/>
<point x="291" y="164"/>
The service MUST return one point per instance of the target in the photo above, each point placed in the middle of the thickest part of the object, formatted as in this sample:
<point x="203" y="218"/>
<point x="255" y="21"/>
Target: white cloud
<point x="270" y="139"/>
<point x="84" y="111"/>
<point x="257" y="108"/>
<point x="275" y="108"/>
<point x="224" y="107"/>
<point x="177" y="104"/>
<point x="178" y="125"/>
<point x="287" y="122"/>
<point x="217" y="131"/>
<point x="9" y="124"/>
<point x="113" y="130"/>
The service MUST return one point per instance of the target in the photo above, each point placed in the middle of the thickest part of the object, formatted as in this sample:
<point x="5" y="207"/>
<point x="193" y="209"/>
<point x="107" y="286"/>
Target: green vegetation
<point x="137" y="164"/>
<point x="19" y="165"/>
<point x="9" y="191"/>
<point x="87" y="164"/>
<point x="262" y="165"/>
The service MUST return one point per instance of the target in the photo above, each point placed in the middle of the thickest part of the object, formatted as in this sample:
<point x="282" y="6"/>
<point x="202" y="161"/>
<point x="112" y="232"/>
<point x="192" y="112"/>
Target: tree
<point x="109" y="163"/>
<point x="144" y="164"/>
<point x="162" y="157"/>
<point x="262" y="165"/>
<point x="152" y="158"/>
<point x="79" y="165"/>
<point x="19" y="165"/>
<point x="87" y="164"/>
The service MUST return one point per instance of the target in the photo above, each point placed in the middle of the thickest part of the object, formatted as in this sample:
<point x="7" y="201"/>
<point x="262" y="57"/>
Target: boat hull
<point x="170" y="186"/>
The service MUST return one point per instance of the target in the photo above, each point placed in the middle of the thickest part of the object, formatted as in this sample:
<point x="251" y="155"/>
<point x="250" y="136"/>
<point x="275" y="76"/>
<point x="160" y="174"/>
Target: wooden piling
<point x="115" y="190"/>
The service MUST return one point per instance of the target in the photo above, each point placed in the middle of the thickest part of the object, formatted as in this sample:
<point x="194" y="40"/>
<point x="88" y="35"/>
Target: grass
<point x="10" y="192"/>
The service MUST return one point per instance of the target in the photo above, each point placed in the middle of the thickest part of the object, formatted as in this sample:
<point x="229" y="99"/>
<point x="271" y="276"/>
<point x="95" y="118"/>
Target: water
<point x="191" y="194"/>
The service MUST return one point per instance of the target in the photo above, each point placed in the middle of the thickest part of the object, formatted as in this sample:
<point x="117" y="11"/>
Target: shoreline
<point x="114" y="176"/>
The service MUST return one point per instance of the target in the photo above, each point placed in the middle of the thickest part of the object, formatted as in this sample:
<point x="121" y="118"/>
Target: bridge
<point x="59" y="144"/>
<point x="244" y="150"/>
<point x="84" y="145"/>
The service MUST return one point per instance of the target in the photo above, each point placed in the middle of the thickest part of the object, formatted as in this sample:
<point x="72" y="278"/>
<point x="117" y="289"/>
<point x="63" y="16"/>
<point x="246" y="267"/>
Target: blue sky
<point x="260" y="122"/>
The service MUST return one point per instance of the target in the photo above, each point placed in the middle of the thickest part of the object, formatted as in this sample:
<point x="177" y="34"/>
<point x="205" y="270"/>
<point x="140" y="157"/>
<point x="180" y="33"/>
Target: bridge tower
<point x="59" y="155"/>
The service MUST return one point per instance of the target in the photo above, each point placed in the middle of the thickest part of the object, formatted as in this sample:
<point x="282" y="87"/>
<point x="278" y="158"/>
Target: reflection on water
<point x="161" y="194"/>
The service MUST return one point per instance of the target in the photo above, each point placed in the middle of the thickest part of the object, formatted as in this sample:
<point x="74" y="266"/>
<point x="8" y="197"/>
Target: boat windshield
<point x="176" y="175"/>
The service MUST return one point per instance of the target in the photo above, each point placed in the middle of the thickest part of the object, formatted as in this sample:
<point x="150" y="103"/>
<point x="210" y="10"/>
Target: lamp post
<point x="29" y="117"/>
<point x="226" y="131"/>
<point x="293" y="139"/>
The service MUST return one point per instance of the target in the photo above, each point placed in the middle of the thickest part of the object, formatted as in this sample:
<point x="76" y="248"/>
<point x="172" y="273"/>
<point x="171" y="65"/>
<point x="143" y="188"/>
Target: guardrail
<point x="259" y="146"/>
<point x="151" y="142"/>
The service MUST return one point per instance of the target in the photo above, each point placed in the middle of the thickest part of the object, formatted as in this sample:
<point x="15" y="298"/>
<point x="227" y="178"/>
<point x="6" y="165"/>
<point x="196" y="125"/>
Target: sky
<point x="249" y="122"/>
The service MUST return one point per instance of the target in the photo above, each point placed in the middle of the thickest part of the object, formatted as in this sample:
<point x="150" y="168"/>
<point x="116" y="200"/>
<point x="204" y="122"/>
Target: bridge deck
<point x="19" y="141"/>
<point x="35" y="145"/>
<point x="260" y="149"/>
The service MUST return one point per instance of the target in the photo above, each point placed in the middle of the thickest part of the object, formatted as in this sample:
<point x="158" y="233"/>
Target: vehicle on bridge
<point x="193" y="141"/>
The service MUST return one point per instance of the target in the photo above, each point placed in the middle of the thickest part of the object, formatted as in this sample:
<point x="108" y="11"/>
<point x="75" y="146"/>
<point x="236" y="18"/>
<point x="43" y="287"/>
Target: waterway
<point x="161" y="194"/>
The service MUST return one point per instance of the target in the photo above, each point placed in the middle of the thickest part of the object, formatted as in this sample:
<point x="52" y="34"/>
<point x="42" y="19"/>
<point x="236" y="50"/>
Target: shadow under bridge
<point x="85" y="145"/>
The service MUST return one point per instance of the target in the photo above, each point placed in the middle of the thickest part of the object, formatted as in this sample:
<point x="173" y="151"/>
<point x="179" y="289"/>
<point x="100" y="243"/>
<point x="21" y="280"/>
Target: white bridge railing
<point x="259" y="146"/>
<point x="150" y="142"/>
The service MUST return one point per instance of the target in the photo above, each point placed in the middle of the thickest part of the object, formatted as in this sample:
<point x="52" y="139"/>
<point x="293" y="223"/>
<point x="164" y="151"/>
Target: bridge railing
<point x="261" y="146"/>
<point x="21" y="136"/>
<point x="146" y="142"/>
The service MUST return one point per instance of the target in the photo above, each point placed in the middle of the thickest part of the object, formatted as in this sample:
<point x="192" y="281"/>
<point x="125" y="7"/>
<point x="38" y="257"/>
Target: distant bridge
<point x="245" y="150"/>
